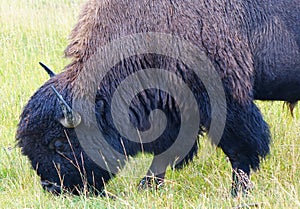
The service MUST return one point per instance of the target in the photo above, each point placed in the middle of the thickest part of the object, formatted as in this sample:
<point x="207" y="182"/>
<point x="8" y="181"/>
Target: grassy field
<point x="37" y="30"/>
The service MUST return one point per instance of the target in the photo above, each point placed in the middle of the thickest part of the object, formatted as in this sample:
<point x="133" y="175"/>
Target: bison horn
<point x="50" y="72"/>
<point x="71" y="118"/>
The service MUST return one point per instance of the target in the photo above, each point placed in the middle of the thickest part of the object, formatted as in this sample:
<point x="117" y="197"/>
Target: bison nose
<point x="51" y="187"/>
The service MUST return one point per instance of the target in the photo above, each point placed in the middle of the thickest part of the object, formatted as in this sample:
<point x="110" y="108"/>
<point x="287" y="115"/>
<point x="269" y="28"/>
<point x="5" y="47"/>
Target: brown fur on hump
<point x="216" y="27"/>
<point x="81" y="36"/>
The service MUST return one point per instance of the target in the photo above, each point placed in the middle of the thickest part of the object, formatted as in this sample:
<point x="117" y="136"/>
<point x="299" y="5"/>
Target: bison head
<point x="46" y="135"/>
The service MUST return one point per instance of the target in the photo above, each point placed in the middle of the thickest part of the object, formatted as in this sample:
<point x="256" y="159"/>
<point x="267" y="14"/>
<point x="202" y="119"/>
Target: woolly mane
<point x="81" y="39"/>
<point x="206" y="24"/>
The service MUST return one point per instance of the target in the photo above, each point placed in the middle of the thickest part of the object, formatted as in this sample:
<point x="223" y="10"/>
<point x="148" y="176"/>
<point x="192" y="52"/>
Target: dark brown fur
<point x="222" y="36"/>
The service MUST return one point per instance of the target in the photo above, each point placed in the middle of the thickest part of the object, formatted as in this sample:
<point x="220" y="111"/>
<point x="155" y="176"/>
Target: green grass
<point x="37" y="30"/>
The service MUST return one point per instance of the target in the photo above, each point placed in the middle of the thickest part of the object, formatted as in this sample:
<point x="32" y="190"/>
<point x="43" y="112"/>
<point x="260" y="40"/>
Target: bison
<point x="252" y="45"/>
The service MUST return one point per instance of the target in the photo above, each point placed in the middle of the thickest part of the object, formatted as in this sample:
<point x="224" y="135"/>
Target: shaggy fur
<point x="241" y="38"/>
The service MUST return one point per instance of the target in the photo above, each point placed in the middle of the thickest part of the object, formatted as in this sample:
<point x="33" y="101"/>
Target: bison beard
<point x="225" y="37"/>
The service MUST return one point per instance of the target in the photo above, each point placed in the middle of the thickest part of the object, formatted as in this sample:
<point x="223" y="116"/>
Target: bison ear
<point x="71" y="118"/>
<point x="50" y="72"/>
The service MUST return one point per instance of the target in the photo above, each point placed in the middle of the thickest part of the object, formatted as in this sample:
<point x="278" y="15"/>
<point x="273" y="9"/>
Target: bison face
<point x="54" y="150"/>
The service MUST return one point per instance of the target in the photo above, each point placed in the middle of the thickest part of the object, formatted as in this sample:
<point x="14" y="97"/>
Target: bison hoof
<point x="150" y="182"/>
<point x="51" y="187"/>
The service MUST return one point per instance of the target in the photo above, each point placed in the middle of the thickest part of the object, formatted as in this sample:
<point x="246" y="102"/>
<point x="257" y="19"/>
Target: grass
<point x="33" y="31"/>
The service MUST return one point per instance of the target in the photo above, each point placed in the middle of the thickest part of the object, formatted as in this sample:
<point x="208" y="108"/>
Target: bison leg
<point x="240" y="178"/>
<point x="155" y="174"/>
<point x="245" y="141"/>
<point x="189" y="157"/>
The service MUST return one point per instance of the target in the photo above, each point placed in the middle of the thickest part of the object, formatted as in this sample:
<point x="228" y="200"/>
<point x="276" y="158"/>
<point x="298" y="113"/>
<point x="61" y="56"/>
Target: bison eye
<point x="59" y="145"/>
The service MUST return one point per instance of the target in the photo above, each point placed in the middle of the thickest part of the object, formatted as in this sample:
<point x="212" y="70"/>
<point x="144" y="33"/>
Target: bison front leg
<point x="245" y="141"/>
<point x="155" y="174"/>
<point x="240" y="177"/>
<point x="177" y="158"/>
<point x="240" y="182"/>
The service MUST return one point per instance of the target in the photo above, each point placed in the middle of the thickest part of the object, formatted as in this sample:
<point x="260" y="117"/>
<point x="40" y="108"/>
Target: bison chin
<point x="63" y="166"/>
